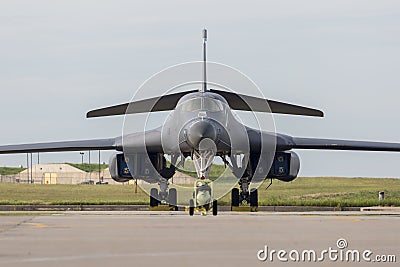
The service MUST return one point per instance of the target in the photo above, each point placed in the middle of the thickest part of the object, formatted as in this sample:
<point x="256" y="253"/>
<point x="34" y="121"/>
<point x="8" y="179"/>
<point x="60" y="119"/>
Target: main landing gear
<point x="243" y="198"/>
<point x="164" y="196"/>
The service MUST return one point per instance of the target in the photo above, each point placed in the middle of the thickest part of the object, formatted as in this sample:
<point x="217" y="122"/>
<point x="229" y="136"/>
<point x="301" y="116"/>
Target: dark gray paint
<point x="162" y="103"/>
<point x="235" y="101"/>
<point x="96" y="144"/>
<point x="151" y="140"/>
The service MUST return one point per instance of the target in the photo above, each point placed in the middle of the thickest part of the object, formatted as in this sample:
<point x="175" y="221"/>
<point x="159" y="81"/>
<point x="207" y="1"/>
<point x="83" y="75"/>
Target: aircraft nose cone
<point x="201" y="130"/>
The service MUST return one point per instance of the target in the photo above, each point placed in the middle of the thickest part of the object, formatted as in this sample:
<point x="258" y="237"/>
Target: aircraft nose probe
<point x="200" y="130"/>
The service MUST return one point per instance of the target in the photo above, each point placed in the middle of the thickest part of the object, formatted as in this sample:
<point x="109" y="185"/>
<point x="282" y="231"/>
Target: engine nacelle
<point x="148" y="167"/>
<point x="285" y="167"/>
<point x="119" y="169"/>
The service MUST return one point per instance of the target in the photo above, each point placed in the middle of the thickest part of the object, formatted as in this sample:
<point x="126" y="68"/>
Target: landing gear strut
<point x="203" y="199"/>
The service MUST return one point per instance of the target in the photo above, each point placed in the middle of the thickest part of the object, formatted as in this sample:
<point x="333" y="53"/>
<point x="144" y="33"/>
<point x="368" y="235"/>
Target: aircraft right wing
<point x="140" y="142"/>
<point x="95" y="144"/>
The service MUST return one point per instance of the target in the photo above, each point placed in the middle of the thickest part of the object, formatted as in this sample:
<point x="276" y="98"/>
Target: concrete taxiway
<point x="176" y="239"/>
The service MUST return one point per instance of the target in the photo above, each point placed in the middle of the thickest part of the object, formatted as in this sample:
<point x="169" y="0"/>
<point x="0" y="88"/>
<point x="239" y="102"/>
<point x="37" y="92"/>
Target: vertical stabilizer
<point x="204" y="87"/>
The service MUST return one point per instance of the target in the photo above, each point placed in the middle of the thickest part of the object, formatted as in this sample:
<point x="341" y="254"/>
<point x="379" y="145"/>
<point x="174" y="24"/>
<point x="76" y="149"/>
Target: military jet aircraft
<point x="202" y="126"/>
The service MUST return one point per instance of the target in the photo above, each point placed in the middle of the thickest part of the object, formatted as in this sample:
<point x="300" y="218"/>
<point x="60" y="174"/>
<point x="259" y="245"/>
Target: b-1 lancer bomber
<point x="202" y="126"/>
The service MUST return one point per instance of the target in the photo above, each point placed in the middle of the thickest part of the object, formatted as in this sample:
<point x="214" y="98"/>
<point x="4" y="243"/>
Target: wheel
<point x="172" y="198"/>
<point x="254" y="197"/>
<point x="235" y="197"/>
<point x="153" y="197"/>
<point x="207" y="206"/>
<point x="215" y="207"/>
<point x="191" y="207"/>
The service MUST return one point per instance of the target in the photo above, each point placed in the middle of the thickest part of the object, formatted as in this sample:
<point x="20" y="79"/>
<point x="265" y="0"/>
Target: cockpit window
<point x="192" y="105"/>
<point x="206" y="104"/>
<point x="212" y="105"/>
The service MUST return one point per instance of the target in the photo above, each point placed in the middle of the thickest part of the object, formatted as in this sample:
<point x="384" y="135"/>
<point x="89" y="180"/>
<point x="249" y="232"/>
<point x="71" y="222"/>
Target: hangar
<point x="63" y="173"/>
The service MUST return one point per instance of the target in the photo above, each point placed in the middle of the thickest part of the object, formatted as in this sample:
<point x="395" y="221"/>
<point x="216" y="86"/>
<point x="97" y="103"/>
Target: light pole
<point x="99" y="166"/>
<point x="27" y="165"/>
<point x="82" y="156"/>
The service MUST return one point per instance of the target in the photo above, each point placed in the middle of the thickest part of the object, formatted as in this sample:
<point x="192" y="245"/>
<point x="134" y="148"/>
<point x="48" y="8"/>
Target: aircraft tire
<point x="153" y="197"/>
<point x="254" y="197"/>
<point x="172" y="198"/>
<point x="215" y="207"/>
<point x="191" y="207"/>
<point x="235" y="197"/>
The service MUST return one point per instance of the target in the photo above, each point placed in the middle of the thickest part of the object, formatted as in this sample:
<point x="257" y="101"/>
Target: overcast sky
<point x="60" y="59"/>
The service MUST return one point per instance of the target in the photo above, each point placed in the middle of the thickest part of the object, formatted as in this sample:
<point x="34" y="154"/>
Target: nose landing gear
<point x="204" y="209"/>
<point x="202" y="199"/>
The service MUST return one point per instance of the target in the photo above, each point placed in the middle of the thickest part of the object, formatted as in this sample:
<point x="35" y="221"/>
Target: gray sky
<point x="60" y="59"/>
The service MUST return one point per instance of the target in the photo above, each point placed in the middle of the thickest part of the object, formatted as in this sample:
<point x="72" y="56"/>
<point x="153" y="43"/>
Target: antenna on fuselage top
<point x="204" y="87"/>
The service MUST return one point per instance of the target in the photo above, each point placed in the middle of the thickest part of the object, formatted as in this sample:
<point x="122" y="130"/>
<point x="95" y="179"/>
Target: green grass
<point x="10" y="170"/>
<point x="327" y="191"/>
<point x="89" y="167"/>
<point x="215" y="171"/>
<point x="19" y="194"/>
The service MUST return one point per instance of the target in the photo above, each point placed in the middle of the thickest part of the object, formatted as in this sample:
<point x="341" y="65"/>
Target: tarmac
<point x="149" y="238"/>
<point x="146" y="208"/>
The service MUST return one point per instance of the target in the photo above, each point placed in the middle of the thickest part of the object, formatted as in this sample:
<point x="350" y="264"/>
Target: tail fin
<point x="236" y="101"/>
<point x="204" y="88"/>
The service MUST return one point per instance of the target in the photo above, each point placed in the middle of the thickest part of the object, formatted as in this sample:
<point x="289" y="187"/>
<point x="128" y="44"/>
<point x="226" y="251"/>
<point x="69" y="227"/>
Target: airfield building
<point x="67" y="174"/>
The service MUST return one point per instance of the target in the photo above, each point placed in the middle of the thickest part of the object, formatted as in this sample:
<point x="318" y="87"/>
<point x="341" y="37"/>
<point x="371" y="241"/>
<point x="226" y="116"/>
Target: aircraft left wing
<point x="332" y="144"/>
<point x="95" y="144"/>
<point x="286" y="142"/>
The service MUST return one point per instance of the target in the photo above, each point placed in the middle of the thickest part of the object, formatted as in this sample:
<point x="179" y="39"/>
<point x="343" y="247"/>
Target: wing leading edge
<point x="332" y="144"/>
<point x="284" y="142"/>
<point x="95" y="144"/>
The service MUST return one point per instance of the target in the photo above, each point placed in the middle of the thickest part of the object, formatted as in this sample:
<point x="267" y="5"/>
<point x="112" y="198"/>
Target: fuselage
<point x="199" y="116"/>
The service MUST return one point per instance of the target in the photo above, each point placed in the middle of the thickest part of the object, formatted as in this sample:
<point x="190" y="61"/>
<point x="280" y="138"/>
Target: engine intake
<point x="285" y="167"/>
<point x="147" y="167"/>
